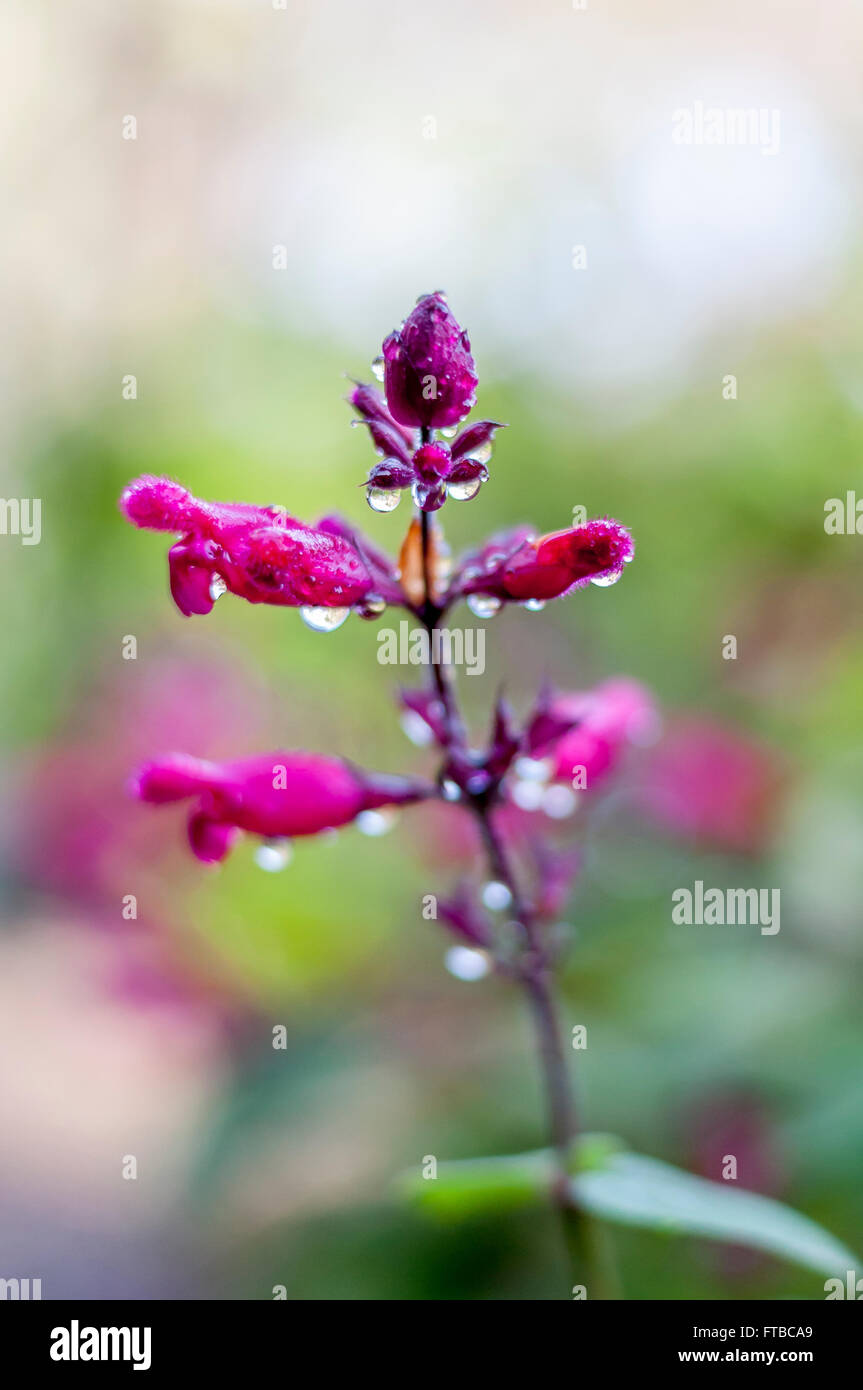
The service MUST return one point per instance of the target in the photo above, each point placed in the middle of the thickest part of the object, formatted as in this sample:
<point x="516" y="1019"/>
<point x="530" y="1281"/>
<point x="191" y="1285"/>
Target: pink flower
<point x="522" y="567"/>
<point x="605" y="720"/>
<point x="430" y="378"/>
<point x="276" y="795"/>
<point x="429" y="469"/>
<point x="714" y="786"/>
<point x="258" y="553"/>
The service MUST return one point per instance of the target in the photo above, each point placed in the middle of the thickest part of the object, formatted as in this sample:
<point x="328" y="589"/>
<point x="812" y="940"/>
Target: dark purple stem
<point x="531" y="969"/>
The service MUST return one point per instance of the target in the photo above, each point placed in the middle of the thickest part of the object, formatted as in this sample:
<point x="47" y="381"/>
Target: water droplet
<point x="375" y="823"/>
<point x="372" y="606"/>
<point x="533" y="769"/>
<point x="451" y="790"/>
<point x="416" y="729"/>
<point x="378" y="369"/>
<point x="273" y="855"/>
<point x="217" y="587"/>
<point x="483" y="605"/>
<point x="383" y="499"/>
<point x="559" y="802"/>
<point x="605" y="581"/>
<point x="464" y="491"/>
<point x="482" y="453"/>
<point x="467" y="964"/>
<point x="324" y="619"/>
<point x="535" y="605"/>
<point x="496" y="896"/>
<point x="449" y="431"/>
<point x="527" y="795"/>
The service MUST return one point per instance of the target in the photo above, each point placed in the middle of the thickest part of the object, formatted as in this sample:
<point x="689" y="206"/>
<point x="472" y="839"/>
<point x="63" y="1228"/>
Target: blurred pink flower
<point x="274" y="795"/>
<point x="714" y="787"/>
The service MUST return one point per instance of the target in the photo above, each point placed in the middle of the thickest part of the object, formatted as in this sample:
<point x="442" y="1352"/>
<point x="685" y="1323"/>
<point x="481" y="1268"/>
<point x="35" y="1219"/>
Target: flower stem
<point x="532" y="970"/>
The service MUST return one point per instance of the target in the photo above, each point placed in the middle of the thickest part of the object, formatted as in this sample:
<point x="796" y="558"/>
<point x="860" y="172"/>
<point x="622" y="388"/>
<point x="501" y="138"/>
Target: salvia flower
<point x="716" y="787"/>
<point x="276" y="796"/>
<point x="430" y="383"/>
<point x="258" y="553"/>
<point x="429" y="373"/>
<point x="524" y="568"/>
<point x="604" y="722"/>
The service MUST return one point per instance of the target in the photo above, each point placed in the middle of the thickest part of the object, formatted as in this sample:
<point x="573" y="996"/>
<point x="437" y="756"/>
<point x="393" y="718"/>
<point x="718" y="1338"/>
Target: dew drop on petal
<point x="559" y="802"/>
<point x="535" y="605"/>
<point x="383" y="499"/>
<point x="467" y="964"/>
<point x="483" y="605"/>
<point x="449" y="431"/>
<point x="273" y="855"/>
<point x="217" y="587"/>
<point x="496" y="896"/>
<point x="605" y="581"/>
<point x="416" y="729"/>
<point x="527" y="795"/>
<point x="451" y="790"/>
<point x="375" y="823"/>
<point x="482" y="453"/>
<point x="372" y="606"/>
<point x="378" y="369"/>
<point x="533" y="769"/>
<point x="464" y="491"/>
<point x="324" y="619"/>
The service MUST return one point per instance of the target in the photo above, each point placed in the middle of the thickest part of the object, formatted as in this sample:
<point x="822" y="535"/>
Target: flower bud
<point x="430" y="378"/>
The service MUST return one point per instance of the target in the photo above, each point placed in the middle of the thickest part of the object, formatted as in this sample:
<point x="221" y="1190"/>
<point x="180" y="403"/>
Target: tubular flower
<point x="429" y="373"/>
<point x="523" y="568"/>
<point x="276" y="795"/>
<point x="709" y="784"/>
<point x="603" y="722"/>
<point x="258" y="553"/>
<point x="430" y="382"/>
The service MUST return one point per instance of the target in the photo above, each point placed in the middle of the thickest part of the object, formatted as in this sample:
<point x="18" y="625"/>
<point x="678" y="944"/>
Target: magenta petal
<point x="159" y="504"/>
<point x="430" y="377"/>
<point x="172" y="778"/>
<point x="210" y="839"/>
<point x="371" y="405"/>
<point x="190" y="565"/>
<point x="387" y="441"/>
<point x="467" y="470"/>
<point x="390" y="474"/>
<point x="474" y="437"/>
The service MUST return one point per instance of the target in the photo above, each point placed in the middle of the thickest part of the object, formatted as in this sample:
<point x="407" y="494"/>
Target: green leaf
<point x="465" y="1186"/>
<point x="469" y="1186"/>
<point x="636" y="1191"/>
<point x="623" y="1187"/>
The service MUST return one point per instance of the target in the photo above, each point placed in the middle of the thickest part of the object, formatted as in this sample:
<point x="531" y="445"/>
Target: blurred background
<point x="612" y="280"/>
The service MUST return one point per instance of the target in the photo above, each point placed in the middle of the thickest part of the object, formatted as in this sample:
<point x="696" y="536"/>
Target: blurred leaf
<point x="633" y="1191"/>
<point x="468" y="1186"/>
<point x="471" y="1186"/>
<point x="639" y="1191"/>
